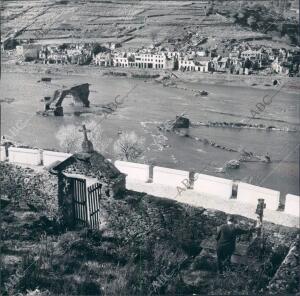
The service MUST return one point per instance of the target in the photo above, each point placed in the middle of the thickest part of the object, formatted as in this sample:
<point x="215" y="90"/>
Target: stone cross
<point x="85" y="131"/>
<point x="87" y="145"/>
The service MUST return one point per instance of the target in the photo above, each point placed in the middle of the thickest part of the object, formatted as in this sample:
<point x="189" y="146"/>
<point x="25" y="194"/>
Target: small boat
<point x="203" y="93"/>
<point x="46" y="79"/>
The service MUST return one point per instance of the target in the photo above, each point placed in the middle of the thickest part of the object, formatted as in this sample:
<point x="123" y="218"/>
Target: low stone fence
<point x="50" y="157"/>
<point x="24" y="156"/>
<point x="215" y="186"/>
<point x="2" y="153"/>
<point x="34" y="157"/>
<point x="292" y="205"/>
<point x="248" y="193"/>
<point x="135" y="171"/>
<point x="169" y="183"/>
<point x="169" y="177"/>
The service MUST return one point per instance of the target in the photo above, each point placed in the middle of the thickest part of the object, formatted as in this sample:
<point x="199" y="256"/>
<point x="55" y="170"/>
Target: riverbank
<point x="150" y="104"/>
<point x="147" y="245"/>
<point x="289" y="84"/>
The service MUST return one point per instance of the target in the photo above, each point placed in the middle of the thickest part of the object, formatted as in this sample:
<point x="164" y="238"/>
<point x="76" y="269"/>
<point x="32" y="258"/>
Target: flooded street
<point x="150" y="103"/>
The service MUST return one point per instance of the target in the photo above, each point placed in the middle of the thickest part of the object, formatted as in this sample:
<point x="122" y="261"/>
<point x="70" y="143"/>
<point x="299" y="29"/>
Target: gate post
<point x="65" y="201"/>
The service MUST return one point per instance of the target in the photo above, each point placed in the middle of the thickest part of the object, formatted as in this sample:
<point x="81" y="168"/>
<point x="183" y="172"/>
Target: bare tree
<point x="70" y="138"/>
<point x="129" y="146"/>
<point x="99" y="140"/>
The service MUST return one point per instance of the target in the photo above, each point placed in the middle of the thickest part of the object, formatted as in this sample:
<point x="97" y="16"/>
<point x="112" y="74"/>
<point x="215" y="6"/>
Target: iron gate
<point x="86" y="201"/>
<point x="79" y="202"/>
<point x="94" y="195"/>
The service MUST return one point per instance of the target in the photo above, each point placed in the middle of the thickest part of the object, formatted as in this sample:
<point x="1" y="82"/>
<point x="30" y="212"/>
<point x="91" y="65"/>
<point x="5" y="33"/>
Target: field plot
<point x="131" y="23"/>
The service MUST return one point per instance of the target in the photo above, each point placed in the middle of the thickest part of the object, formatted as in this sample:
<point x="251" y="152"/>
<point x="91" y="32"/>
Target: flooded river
<point x="150" y="103"/>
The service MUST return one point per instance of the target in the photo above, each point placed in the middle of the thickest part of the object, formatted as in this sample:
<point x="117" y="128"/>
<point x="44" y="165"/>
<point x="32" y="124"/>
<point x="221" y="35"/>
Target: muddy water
<point x="150" y="103"/>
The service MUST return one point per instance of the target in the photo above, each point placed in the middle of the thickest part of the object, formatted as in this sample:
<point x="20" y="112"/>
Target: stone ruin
<point x="79" y="92"/>
<point x="180" y="125"/>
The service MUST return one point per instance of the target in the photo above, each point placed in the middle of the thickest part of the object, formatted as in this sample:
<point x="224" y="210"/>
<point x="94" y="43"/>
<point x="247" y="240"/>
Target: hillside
<point x="146" y="246"/>
<point x="131" y="23"/>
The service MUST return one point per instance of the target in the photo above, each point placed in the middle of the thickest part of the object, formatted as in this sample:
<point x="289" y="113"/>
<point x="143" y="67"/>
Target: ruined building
<point x="79" y="92"/>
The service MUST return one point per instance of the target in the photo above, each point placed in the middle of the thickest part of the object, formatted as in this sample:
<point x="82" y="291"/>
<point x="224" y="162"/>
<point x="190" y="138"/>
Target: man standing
<point x="226" y="237"/>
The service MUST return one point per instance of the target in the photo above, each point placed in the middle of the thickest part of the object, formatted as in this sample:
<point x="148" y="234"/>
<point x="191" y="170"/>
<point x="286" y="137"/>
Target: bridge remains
<point x="79" y="92"/>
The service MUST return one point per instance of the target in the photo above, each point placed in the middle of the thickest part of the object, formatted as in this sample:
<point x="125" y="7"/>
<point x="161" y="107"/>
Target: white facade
<point x="186" y="64"/>
<point x="190" y="65"/>
<point x="143" y="61"/>
<point x="292" y="205"/>
<point x="251" y="54"/>
<point x="103" y="59"/>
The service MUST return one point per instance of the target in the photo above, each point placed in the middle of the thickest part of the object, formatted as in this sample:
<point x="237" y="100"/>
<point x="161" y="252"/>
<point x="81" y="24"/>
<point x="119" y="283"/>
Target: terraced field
<point x="131" y="23"/>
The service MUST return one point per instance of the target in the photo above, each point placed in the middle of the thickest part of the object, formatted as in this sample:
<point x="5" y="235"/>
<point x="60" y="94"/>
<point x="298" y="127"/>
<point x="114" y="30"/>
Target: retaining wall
<point x="50" y="157"/>
<point x="24" y="156"/>
<point x="166" y="182"/>
<point x="292" y="205"/>
<point x="134" y="171"/>
<point x="169" y="177"/>
<point x="2" y="153"/>
<point x="213" y="186"/>
<point x="248" y="193"/>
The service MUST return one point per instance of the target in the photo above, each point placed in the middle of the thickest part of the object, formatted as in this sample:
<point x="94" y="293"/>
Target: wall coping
<point x="160" y="169"/>
<point x="212" y="178"/>
<point x="131" y="164"/>
<point x="173" y="171"/>
<point x="24" y="150"/>
<point x="258" y="188"/>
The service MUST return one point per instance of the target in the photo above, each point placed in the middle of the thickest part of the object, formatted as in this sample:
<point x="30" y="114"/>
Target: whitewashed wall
<point x="134" y="171"/>
<point x="24" y="156"/>
<point x="50" y="157"/>
<point x="292" y="205"/>
<point x="248" y="193"/>
<point x="169" y="177"/>
<point x="2" y="153"/>
<point x="215" y="186"/>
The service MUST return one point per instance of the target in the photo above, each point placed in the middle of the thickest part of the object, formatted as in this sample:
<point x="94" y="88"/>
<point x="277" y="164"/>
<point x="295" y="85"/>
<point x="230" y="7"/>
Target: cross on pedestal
<point x="87" y="145"/>
<point x="85" y="131"/>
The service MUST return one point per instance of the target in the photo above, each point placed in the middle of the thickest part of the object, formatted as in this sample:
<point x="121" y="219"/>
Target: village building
<point x="28" y="51"/>
<point x="103" y="59"/>
<point x="251" y="54"/>
<point x="152" y="61"/>
<point x="280" y="67"/>
<point x="120" y="60"/>
<point x="186" y="63"/>
<point x="143" y="60"/>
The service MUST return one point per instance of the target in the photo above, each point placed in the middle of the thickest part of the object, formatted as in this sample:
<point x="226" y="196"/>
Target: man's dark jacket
<point x="226" y="236"/>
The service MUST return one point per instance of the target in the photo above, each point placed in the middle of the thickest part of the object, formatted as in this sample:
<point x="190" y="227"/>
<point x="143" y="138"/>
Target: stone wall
<point x="50" y="157"/>
<point x="135" y="171"/>
<point x="2" y="153"/>
<point x="24" y="156"/>
<point x="165" y="182"/>
<point x="169" y="177"/>
<point x="213" y="186"/>
<point x="248" y="193"/>
<point x="292" y="205"/>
